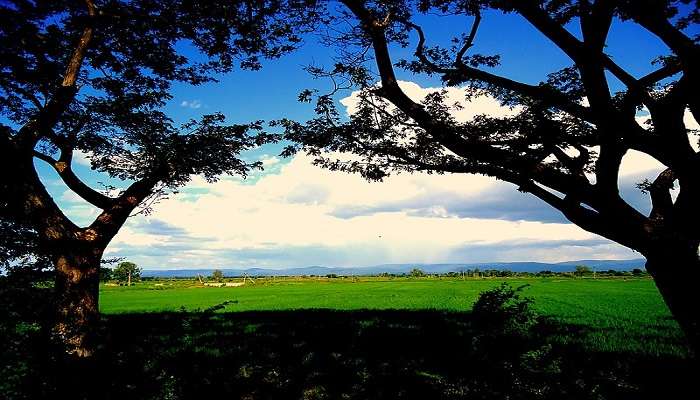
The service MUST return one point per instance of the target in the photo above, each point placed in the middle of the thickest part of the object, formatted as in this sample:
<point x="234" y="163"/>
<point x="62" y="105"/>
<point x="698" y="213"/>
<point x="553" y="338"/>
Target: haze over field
<point x="532" y="267"/>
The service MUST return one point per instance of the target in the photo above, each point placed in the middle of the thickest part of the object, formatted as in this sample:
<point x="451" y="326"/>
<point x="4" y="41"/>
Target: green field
<point x="605" y="315"/>
<point x="367" y="338"/>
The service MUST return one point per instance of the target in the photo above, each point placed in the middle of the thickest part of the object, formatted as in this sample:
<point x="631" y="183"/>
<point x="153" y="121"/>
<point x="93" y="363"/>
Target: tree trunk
<point x="77" y="291"/>
<point x="676" y="269"/>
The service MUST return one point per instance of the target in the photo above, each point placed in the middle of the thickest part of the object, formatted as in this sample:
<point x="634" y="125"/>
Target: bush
<point x="504" y="312"/>
<point x="417" y="273"/>
<point x="26" y="295"/>
<point x="512" y="346"/>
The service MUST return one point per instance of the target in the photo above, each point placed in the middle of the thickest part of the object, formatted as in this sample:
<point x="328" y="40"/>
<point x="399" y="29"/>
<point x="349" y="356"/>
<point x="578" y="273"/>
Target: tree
<point x="93" y="77"/>
<point x="582" y="270"/>
<point x="217" y="275"/>
<point x="416" y="273"/>
<point x="570" y="132"/>
<point x="126" y="272"/>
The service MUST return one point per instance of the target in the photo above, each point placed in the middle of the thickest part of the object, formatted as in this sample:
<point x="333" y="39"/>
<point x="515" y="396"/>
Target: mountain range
<point x="565" y="266"/>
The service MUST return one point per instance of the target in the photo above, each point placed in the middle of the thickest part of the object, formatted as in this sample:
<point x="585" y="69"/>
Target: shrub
<point x="416" y="273"/>
<point x="502" y="311"/>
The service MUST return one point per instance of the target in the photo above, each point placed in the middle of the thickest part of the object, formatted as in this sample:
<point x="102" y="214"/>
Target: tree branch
<point x="108" y="223"/>
<point x="49" y="115"/>
<point x="70" y="77"/>
<point x="659" y="191"/>
<point x="462" y="73"/>
<point x="63" y="167"/>
<point x="660" y="74"/>
<point x="588" y="53"/>
<point x="470" y="39"/>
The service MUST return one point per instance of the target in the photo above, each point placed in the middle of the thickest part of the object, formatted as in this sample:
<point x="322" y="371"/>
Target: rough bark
<point x="77" y="292"/>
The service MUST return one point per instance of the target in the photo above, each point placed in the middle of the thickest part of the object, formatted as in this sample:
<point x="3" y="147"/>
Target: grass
<point x="602" y="315"/>
<point x="365" y="338"/>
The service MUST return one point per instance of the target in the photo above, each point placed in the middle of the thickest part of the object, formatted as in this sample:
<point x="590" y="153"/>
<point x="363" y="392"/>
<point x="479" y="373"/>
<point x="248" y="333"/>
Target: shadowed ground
<point x="323" y="354"/>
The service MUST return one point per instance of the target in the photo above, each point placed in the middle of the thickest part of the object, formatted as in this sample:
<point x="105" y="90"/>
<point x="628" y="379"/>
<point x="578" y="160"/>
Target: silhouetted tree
<point x="570" y="132"/>
<point x="92" y="76"/>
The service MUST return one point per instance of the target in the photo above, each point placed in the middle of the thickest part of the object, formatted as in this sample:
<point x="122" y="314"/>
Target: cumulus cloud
<point x="81" y="158"/>
<point x="268" y="160"/>
<point x="290" y="219"/>
<point x="478" y="105"/>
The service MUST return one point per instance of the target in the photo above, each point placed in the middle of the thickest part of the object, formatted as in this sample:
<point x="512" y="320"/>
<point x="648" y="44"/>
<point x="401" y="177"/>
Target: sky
<point x="294" y="214"/>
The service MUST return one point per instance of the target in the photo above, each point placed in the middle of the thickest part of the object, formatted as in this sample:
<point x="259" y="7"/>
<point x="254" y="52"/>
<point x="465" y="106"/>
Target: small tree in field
<point x="582" y="270"/>
<point x="217" y="275"/>
<point x="127" y="272"/>
<point x="417" y="273"/>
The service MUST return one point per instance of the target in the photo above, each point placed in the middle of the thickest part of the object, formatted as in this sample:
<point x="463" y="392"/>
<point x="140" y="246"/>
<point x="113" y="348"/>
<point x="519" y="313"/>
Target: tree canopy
<point x="94" y="77"/>
<point x="126" y="271"/>
<point x="568" y="135"/>
<point x="217" y="275"/>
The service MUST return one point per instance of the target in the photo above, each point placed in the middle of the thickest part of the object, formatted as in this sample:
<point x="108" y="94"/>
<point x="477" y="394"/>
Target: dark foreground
<point x="322" y="354"/>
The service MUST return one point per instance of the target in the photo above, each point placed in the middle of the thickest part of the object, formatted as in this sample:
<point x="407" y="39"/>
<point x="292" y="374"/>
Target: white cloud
<point x="81" y="158"/>
<point x="70" y="196"/>
<point x="194" y="104"/>
<point x="294" y="209"/>
<point x="636" y="163"/>
<point x="268" y="160"/>
<point x="130" y="236"/>
<point x="469" y="109"/>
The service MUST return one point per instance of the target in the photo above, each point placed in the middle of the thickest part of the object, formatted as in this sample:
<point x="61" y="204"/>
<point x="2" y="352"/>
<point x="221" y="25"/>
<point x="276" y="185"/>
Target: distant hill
<point x="600" y="265"/>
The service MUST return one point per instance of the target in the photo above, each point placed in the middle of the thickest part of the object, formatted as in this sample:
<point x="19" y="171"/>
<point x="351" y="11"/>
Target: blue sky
<point x="294" y="214"/>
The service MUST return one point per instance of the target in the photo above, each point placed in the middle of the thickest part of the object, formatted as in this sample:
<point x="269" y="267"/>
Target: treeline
<point x="501" y="273"/>
<point x="579" y="272"/>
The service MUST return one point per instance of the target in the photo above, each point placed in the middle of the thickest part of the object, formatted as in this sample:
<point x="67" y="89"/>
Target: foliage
<point x="416" y="273"/>
<point x="582" y="270"/>
<point x="106" y="274"/>
<point x="503" y="311"/>
<point x="551" y="140"/>
<point x="352" y="354"/>
<point x="93" y="77"/>
<point x="24" y="291"/>
<point x="128" y="69"/>
<point x="573" y="125"/>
